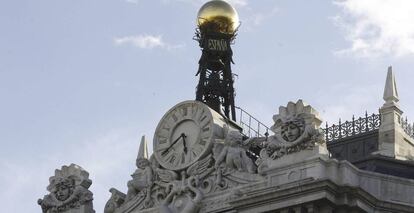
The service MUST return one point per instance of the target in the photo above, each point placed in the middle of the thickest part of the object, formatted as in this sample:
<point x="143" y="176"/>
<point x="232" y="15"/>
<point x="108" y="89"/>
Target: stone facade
<point x="292" y="171"/>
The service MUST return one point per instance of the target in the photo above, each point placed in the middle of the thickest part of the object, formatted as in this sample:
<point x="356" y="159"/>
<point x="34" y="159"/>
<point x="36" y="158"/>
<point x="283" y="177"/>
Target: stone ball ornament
<point x="218" y="16"/>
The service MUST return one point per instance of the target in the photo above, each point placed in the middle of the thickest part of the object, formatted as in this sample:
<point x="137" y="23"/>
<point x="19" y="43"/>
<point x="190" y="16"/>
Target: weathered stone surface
<point x="68" y="192"/>
<point x="390" y="90"/>
<point x="393" y="140"/>
<point x="293" y="173"/>
<point x="115" y="201"/>
<point x="296" y="130"/>
<point x="231" y="154"/>
<point x="225" y="167"/>
<point x="320" y="180"/>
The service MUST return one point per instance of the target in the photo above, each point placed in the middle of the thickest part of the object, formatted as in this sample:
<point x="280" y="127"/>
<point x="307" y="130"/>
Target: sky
<point x="82" y="80"/>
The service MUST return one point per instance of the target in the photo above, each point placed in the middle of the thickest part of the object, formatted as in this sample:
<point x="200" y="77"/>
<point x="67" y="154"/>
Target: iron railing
<point x="358" y="126"/>
<point x="407" y="127"/>
<point x="251" y="126"/>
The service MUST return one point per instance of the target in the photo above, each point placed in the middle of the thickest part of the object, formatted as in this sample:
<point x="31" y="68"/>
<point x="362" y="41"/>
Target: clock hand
<point x="185" y="147"/>
<point x="172" y="144"/>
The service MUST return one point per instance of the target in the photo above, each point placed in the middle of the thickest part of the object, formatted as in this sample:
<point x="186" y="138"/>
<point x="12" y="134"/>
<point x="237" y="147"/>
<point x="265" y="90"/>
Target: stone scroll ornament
<point x="68" y="191"/>
<point x="296" y="128"/>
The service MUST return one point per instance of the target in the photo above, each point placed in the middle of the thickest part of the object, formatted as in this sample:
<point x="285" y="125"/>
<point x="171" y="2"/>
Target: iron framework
<point x="215" y="87"/>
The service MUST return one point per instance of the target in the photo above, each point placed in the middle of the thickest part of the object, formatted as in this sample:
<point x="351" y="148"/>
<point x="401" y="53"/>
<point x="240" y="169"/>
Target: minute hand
<point x="184" y="144"/>
<point x="172" y="144"/>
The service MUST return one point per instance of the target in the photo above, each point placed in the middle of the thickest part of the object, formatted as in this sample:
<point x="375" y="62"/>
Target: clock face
<point x="184" y="135"/>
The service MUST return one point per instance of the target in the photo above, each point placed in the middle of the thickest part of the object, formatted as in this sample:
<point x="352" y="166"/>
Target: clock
<point x="186" y="133"/>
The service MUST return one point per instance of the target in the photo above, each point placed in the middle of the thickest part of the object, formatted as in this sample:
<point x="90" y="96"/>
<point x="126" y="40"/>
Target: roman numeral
<point x="174" y="117"/>
<point x="167" y="126"/>
<point x="184" y="111"/>
<point x="204" y="122"/>
<point x="193" y="154"/>
<point x="206" y="128"/>
<point x="182" y="158"/>
<point x="196" y="150"/>
<point x="195" y="113"/>
<point x="171" y="158"/>
<point x="162" y="140"/>
<point x="203" y="118"/>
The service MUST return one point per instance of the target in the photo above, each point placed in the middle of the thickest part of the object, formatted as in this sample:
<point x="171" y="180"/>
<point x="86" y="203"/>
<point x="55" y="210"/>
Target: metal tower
<point x="217" y="27"/>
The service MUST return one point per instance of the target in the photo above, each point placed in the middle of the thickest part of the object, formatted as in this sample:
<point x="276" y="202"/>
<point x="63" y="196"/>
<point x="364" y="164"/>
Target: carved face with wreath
<point x="294" y="124"/>
<point x="68" y="189"/>
<point x="291" y="130"/>
<point x="64" y="188"/>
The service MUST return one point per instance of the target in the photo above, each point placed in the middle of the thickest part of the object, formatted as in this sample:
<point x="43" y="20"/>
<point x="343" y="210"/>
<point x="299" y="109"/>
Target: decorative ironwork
<point x="215" y="87"/>
<point x="358" y="126"/>
<point x="251" y="126"/>
<point x="407" y="127"/>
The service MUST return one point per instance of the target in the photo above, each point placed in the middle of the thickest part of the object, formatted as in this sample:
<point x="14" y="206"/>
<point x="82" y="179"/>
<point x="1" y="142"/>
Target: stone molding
<point x="328" y="179"/>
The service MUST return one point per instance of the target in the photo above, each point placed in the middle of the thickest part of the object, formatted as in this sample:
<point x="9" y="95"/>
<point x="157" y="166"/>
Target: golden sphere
<point x="218" y="16"/>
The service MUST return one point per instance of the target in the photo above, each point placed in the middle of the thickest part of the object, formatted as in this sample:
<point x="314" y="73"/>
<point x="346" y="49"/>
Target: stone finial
<point x="143" y="149"/>
<point x="393" y="140"/>
<point x="68" y="191"/>
<point x="390" y="90"/>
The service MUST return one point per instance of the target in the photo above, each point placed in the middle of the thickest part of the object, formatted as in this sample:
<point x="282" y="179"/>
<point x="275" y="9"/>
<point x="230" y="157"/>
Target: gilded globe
<point x="218" y="16"/>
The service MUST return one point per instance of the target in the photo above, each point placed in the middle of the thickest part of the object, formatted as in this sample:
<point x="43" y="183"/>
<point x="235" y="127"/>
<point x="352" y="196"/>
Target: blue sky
<point x="82" y="80"/>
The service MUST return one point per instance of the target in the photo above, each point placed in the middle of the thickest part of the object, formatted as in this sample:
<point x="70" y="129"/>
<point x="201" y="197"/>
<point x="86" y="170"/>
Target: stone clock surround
<point x="200" y="125"/>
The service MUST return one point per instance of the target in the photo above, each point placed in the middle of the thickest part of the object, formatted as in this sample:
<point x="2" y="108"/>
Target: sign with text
<point x="217" y="45"/>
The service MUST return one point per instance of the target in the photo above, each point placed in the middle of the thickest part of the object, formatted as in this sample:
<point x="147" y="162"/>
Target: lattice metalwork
<point x="408" y="127"/>
<point x="358" y="126"/>
<point x="215" y="87"/>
